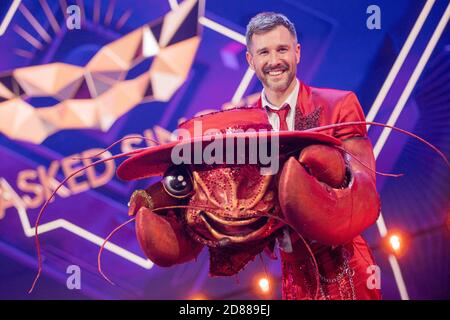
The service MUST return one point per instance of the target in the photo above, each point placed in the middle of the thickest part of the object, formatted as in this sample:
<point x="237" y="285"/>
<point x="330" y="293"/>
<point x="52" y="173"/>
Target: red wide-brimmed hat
<point x="239" y="123"/>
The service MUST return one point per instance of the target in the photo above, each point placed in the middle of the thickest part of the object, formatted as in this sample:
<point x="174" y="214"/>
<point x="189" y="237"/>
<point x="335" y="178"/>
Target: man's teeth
<point x="275" y="73"/>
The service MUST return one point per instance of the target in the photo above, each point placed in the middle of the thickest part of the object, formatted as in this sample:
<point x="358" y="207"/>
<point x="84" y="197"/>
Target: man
<point x="331" y="196"/>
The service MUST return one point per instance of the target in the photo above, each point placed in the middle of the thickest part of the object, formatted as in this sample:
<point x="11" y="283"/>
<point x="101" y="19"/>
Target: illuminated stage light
<point x="396" y="242"/>
<point x="264" y="285"/>
<point x="198" y="296"/>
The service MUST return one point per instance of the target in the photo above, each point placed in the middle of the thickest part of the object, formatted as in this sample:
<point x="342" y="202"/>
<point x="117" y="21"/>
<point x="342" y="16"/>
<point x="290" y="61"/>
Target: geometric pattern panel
<point x="96" y="95"/>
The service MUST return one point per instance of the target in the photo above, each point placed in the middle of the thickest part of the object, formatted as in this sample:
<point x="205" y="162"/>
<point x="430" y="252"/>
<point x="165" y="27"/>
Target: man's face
<point x="274" y="56"/>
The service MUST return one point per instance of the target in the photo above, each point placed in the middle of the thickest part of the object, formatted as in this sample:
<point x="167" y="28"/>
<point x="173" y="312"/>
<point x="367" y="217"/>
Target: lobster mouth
<point x="236" y="229"/>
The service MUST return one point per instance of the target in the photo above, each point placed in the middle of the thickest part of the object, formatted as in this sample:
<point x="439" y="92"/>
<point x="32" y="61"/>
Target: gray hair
<point x="267" y="21"/>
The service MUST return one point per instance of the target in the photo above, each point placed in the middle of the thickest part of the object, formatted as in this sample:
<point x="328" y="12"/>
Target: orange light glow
<point x="396" y="242"/>
<point x="264" y="285"/>
<point x="198" y="296"/>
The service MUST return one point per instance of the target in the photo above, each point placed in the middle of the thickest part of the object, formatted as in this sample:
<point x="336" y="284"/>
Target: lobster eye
<point x="177" y="182"/>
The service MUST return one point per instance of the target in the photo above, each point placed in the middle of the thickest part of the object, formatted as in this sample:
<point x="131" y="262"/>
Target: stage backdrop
<point x="75" y="76"/>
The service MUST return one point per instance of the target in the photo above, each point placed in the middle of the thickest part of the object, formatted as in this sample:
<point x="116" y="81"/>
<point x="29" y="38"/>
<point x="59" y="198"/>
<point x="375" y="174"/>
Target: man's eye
<point x="177" y="182"/>
<point x="282" y="50"/>
<point x="262" y="53"/>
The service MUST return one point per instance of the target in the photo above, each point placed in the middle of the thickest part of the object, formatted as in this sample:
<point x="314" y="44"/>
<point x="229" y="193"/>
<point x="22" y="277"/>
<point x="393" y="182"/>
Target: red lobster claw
<point x="163" y="238"/>
<point x="324" y="163"/>
<point x="315" y="201"/>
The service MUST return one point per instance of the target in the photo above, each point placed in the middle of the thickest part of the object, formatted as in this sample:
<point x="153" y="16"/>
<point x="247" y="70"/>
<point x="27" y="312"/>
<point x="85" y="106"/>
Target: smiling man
<point x="273" y="53"/>
<point x="327" y="196"/>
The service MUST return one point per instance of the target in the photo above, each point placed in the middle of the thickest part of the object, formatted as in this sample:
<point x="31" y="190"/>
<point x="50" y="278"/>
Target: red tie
<point x="282" y="115"/>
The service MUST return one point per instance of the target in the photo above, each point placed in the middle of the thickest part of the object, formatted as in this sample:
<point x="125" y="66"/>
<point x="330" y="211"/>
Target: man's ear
<point x="298" y="52"/>
<point x="249" y="57"/>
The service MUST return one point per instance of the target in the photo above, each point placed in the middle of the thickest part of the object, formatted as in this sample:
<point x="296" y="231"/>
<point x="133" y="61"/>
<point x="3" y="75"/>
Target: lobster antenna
<point x="38" y="219"/>
<point x="99" y="263"/>
<point x="117" y="142"/>
<point x="352" y="123"/>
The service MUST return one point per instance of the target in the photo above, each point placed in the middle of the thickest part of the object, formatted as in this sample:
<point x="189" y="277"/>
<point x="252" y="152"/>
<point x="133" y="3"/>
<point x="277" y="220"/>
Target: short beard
<point x="279" y="86"/>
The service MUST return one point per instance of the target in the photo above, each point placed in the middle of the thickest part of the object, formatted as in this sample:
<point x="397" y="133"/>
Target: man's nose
<point x="274" y="59"/>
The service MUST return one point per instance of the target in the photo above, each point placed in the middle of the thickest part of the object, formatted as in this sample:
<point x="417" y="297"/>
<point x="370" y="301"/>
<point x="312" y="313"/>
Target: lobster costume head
<point x="223" y="198"/>
<point x="221" y="189"/>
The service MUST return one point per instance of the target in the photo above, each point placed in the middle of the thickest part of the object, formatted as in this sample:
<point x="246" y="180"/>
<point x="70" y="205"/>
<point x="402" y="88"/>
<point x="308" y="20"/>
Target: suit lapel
<point x="307" y="114"/>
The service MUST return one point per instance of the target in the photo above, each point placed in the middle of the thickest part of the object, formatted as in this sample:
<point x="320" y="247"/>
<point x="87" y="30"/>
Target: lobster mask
<point x="230" y="198"/>
<point x="231" y="206"/>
